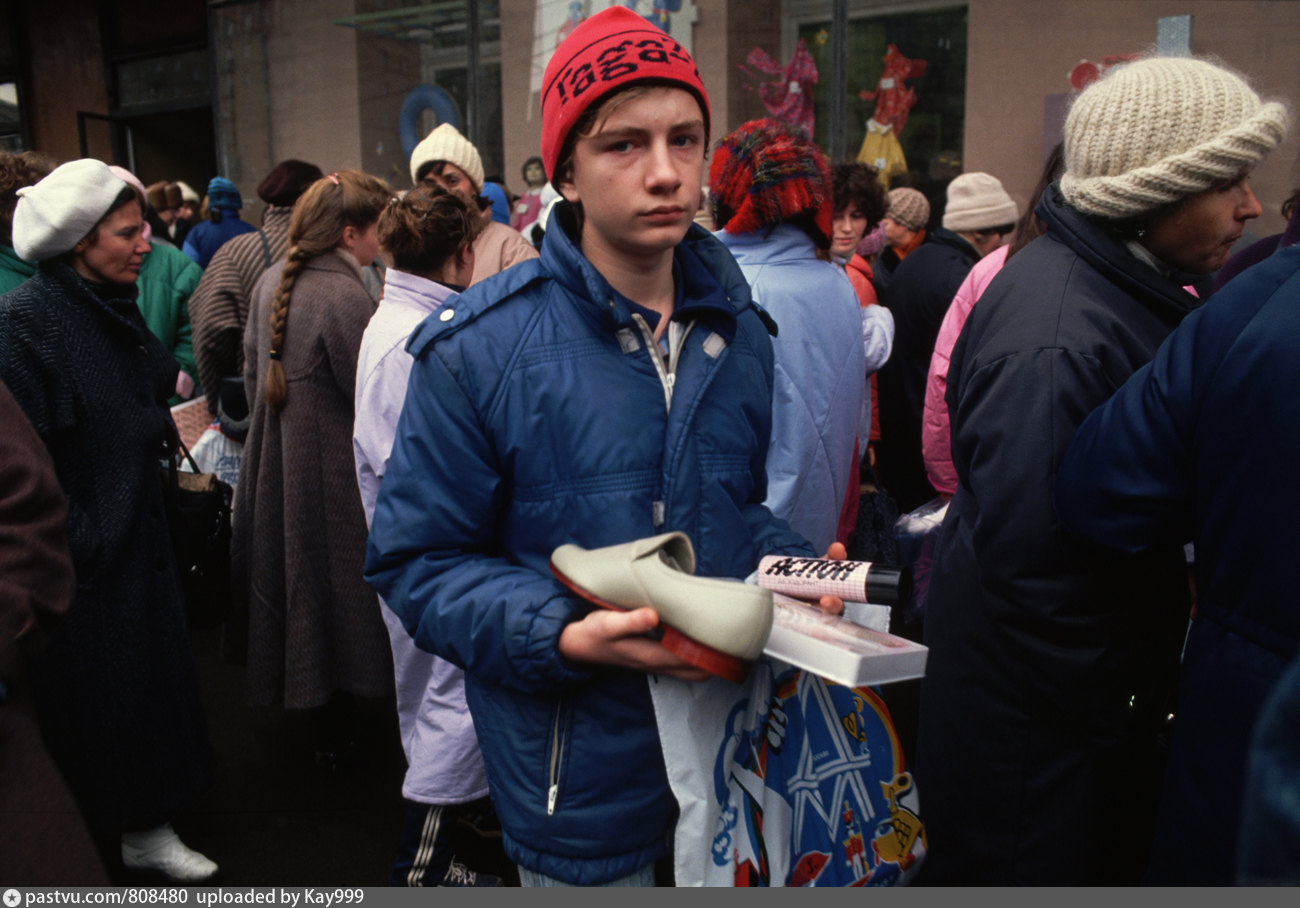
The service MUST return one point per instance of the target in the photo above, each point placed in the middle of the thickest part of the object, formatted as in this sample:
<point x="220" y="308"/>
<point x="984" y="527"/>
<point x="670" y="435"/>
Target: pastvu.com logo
<point x="12" y="898"/>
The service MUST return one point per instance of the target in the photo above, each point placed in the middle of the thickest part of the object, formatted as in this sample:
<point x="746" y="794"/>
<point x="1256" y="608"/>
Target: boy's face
<point x="638" y="175"/>
<point x="453" y="179"/>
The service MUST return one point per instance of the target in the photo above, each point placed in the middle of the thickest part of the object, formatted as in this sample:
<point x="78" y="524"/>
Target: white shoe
<point x="163" y="851"/>
<point x="716" y="624"/>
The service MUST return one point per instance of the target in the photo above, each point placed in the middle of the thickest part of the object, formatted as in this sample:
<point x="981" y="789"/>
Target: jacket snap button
<point x="447" y="315"/>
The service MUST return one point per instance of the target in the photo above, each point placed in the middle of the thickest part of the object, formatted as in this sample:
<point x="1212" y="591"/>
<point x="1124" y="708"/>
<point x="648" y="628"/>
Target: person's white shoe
<point x="162" y="850"/>
<point x="716" y="624"/>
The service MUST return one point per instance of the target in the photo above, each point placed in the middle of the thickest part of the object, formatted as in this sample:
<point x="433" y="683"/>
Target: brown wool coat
<point x="313" y="625"/>
<point x="43" y="837"/>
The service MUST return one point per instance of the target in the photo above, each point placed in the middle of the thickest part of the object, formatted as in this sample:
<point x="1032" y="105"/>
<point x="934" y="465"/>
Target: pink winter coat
<point x="936" y="436"/>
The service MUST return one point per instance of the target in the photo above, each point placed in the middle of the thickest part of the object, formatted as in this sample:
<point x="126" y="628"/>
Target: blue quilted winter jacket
<point x="539" y="412"/>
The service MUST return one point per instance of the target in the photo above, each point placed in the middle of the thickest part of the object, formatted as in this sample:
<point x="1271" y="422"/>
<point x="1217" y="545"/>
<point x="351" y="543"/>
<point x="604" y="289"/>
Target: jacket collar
<point x="410" y="291"/>
<point x="712" y="282"/>
<point x="337" y="260"/>
<point x="942" y="236"/>
<point x="860" y="265"/>
<point x="113" y="302"/>
<point x="276" y="216"/>
<point x="1106" y="253"/>
<point x="782" y="243"/>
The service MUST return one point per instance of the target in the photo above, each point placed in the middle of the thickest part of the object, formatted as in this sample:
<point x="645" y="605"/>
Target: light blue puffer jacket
<point x="536" y="415"/>
<point x="820" y="376"/>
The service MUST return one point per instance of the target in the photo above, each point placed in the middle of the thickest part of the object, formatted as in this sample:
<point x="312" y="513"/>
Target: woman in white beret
<point x="116" y="689"/>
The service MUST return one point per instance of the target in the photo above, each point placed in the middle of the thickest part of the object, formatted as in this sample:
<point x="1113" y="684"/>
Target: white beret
<point x="53" y="216"/>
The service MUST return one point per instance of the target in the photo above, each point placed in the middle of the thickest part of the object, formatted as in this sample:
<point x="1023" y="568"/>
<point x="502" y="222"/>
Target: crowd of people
<point x="435" y="387"/>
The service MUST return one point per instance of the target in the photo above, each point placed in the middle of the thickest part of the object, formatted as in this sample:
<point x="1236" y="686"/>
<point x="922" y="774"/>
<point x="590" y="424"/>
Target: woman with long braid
<point x="313" y="636"/>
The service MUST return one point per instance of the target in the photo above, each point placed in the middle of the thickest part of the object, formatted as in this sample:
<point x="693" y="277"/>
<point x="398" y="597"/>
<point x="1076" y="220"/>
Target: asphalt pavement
<point x="273" y="818"/>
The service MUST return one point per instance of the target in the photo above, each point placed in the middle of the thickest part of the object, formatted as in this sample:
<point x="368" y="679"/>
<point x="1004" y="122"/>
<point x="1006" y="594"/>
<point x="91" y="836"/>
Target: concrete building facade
<point x="191" y="89"/>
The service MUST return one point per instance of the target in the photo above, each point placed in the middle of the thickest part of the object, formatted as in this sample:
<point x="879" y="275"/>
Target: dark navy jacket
<point x="536" y="416"/>
<point x="918" y="295"/>
<point x="1208" y="438"/>
<point x="1052" y="663"/>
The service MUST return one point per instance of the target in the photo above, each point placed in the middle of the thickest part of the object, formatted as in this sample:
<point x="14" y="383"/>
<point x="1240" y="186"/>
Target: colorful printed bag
<point x="787" y="780"/>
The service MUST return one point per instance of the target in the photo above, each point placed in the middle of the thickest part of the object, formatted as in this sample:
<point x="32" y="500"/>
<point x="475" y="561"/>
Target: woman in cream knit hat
<point x="116" y="689"/>
<point x="1054" y="665"/>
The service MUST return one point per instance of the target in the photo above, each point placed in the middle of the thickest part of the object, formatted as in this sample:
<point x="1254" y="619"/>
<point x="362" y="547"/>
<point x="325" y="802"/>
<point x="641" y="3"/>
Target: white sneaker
<point x="163" y="851"/>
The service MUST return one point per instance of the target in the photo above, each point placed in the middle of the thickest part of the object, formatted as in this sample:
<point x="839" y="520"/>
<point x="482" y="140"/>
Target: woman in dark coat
<point x="315" y="636"/>
<point x="116" y="688"/>
<point x="1053" y="666"/>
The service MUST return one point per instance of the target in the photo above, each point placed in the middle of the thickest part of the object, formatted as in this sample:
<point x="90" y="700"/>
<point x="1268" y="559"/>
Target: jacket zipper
<point x="667" y="377"/>
<point x="676" y="342"/>
<point x="557" y="752"/>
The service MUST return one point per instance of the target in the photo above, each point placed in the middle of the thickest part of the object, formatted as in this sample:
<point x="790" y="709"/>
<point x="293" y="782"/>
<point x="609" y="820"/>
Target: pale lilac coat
<point x="936" y="435"/>
<point x="444" y="765"/>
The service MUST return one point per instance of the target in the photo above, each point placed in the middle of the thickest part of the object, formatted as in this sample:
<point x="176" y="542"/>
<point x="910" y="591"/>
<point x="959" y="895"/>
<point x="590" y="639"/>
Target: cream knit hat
<point x="188" y="194"/>
<point x="908" y="208"/>
<point x="977" y="201"/>
<point x="55" y="214"/>
<point x="1158" y="130"/>
<point x="447" y="144"/>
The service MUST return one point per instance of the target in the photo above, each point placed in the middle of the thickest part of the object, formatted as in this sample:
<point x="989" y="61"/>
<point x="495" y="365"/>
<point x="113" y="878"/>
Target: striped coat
<point x="219" y="306"/>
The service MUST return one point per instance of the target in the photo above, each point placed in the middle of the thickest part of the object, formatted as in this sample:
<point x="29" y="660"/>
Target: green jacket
<point x="167" y="279"/>
<point x="13" y="270"/>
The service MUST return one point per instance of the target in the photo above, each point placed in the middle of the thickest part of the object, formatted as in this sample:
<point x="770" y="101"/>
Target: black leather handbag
<point x="198" y="518"/>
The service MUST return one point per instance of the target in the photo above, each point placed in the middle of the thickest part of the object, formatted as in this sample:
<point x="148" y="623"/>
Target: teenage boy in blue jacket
<point x="617" y="388"/>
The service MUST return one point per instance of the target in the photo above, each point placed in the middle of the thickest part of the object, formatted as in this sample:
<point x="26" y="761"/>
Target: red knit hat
<point x="765" y="173"/>
<point x="611" y="50"/>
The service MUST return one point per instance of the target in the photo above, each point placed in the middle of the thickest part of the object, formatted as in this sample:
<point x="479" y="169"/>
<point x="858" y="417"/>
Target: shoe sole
<point x="691" y="651"/>
<point x="153" y="875"/>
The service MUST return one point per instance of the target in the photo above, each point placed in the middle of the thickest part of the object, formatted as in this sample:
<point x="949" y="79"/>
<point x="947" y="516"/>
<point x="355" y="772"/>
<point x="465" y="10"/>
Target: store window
<point x="420" y="65"/>
<point x="905" y="89"/>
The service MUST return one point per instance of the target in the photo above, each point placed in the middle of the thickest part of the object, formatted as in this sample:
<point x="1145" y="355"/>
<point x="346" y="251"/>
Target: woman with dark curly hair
<point x="16" y="171"/>
<point x="859" y="207"/>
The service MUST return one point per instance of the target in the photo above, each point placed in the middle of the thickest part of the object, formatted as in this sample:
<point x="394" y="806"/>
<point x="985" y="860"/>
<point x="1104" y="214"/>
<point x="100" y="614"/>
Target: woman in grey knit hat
<point x="1053" y="665"/>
